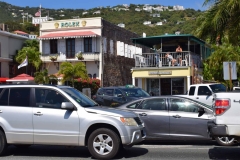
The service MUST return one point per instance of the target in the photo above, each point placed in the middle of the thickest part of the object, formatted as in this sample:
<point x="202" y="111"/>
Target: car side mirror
<point x="67" y="106"/>
<point x="201" y="111"/>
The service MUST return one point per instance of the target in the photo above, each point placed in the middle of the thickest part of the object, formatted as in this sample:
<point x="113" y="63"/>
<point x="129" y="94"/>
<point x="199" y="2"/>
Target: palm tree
<point x="220" y="20"/>
<point x="71" y="71"/>
<point x="32" y="54"/>
<point x="41" y="77"/>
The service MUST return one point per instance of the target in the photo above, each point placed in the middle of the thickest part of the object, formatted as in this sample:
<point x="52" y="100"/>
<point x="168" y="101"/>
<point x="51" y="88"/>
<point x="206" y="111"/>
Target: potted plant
<point x="80" y="56"/>
<point x="53" y="58"/>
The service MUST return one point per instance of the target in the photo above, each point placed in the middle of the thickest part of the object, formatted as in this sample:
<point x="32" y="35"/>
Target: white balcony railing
<point x="160" y="59"/>
<point x="62" y="57"/>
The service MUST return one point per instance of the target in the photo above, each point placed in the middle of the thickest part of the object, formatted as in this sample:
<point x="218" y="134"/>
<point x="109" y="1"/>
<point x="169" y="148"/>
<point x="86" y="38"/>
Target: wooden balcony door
<point x="70" y="48"/>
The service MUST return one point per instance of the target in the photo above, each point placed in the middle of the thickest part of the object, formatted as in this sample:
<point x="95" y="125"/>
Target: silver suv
<point x="61" y="115"/>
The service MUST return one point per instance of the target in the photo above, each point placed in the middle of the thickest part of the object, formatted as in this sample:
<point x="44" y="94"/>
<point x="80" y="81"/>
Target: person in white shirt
<point x="170" y="57"/>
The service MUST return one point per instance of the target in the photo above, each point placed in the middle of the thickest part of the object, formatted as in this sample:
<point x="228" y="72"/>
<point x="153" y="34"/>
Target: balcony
<point x="62" y="57"/>
<point x="183" y="59"/>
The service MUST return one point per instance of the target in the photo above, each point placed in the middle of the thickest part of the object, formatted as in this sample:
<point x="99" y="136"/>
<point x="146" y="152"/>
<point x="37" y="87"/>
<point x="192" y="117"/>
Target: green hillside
<point x="172" y="21"/>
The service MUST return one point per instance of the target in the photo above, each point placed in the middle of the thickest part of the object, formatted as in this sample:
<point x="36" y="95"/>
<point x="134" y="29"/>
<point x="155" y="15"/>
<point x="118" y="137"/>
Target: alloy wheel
<point x="103" y="144"/>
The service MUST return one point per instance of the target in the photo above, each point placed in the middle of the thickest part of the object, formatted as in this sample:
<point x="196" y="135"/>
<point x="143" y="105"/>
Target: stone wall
<point x="117" y="69"/>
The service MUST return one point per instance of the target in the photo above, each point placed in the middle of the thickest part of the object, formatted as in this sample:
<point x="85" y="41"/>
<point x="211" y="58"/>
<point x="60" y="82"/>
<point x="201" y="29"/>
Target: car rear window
<point x="218" y="88"/>
<point x="135" y="92"/>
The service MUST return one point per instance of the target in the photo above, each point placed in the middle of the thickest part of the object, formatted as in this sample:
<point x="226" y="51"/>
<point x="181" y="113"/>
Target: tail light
<point x="221" y="105"/>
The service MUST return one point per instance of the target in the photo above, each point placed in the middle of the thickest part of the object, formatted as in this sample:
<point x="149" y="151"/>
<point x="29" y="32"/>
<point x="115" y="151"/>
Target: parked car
<point x="226" y="109"/>
<point x="203" y="92"/>
<point x="115" y="96"/>
<point x="61" y="115"/>
<point x="175" y="118"/>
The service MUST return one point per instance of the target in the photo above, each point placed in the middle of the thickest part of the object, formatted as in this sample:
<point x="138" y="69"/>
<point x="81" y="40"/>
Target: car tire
<point x="3" y="143"/>
<point x="103" y="143"/>
<point x="225" y="141"/>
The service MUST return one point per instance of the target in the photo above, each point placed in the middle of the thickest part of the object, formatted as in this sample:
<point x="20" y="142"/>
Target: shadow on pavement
<point x="158" y="142"/>
<point x="64" y="151"/>
<point x="224" y="153"/>
<point x="131" y="152"/>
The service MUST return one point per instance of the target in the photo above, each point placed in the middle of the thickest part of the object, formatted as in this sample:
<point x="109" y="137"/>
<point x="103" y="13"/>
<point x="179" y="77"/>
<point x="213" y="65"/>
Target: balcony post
<point x="133" y="81"/>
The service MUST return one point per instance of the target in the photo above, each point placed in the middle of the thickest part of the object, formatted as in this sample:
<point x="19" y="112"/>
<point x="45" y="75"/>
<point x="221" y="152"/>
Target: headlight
<point x="128" y="121"/>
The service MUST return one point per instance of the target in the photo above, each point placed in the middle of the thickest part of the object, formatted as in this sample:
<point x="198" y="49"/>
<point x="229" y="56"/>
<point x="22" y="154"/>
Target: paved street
<point x="168" y="151"/>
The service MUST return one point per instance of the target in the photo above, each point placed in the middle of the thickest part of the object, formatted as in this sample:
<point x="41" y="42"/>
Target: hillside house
<point x="178" y="8"/>
<point x="84" y="13"/>
<point x="159" y="23"/>
<point x="155" y="15"/>
<point x="147" y="22"/>
<point x="138" y="9"/>
<point x="97" y="12"/>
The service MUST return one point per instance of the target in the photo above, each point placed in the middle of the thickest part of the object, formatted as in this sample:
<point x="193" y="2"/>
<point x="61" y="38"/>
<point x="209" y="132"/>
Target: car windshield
<point x="135" y="92"/>
<point x="80" y="98"/>
<point x="218" y="88"/>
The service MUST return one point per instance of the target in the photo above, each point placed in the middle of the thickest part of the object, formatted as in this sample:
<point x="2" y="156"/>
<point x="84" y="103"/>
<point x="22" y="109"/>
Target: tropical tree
<point x="220" y="20"/>
<point x="72" y="71"/>
<point x="41" y="77"/>
<point x="213" y="66"/>
<point x="32" y="54"/>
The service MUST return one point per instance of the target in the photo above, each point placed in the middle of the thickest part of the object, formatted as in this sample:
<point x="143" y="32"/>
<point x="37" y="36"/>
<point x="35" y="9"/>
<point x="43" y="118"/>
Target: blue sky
<point x="87" y="4"/>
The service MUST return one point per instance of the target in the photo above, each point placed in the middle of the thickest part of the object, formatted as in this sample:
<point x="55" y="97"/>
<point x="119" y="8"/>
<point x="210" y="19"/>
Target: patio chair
<point x="185" y="61"/>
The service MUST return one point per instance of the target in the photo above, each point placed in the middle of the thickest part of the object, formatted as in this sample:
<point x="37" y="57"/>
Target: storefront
<point x="164" y="81"/>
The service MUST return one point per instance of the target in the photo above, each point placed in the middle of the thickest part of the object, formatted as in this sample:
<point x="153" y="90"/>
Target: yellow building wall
<point x="163" y="73"/>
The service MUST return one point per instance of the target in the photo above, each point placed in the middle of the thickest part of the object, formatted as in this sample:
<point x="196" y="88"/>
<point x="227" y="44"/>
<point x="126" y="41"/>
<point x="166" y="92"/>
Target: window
<point x="88" y="44"/>
<point x="154" y="104"/>
<point x="100" y="92"/>
<point x="47" y="98"/>
<point x="19" y="97"/>
<point x="134" y="105"/>
<point x="70" y="48"/>
<point x="90" y="75"/>
<point x="53" y="46"/>
<point x="117" y="92"/>
<point x="191" y="91"/>
<point x="108" y="92"/>
<point x="203" y="90"/>
<point x="4" y="97"/>
<point x="183" y="105"/>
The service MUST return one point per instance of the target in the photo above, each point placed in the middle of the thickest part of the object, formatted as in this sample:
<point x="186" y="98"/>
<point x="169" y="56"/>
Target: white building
<point x="97" y="12"/>
<point x="121" y="25"/>
<point x="147" y="22"/>
<point x="9" y="44"/>
<point x="91" y="36"/>
<point x="138" y="9"/>
<point x="159" y="23"/>
<point x="178" y="8"/>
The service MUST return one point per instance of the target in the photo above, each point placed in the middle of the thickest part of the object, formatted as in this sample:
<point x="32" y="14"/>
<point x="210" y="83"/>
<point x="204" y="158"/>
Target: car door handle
<point x="38" y="114"/>
<point x="197" y="97"/>
<point x="176" y="116"/>
<point x="142" y="114"/>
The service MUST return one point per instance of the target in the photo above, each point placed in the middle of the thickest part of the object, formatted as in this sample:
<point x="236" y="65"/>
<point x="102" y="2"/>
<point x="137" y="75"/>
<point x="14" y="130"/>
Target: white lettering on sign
<point x="159" y="72"/>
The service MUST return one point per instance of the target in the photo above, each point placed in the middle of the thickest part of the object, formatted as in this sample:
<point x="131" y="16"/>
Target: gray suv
<point x="61" y="115"/>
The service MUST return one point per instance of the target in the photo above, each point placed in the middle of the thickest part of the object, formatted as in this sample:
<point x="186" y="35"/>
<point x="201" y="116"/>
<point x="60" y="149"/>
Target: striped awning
<point x="64" y="35"/>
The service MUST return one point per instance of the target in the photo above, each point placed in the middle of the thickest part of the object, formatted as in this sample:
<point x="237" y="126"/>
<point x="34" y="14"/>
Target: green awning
<point x="168" y="38"/>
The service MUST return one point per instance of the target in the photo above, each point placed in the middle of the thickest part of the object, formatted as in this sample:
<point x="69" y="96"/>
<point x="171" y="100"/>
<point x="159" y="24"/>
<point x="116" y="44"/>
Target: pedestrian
<point x="179" y="56"/>
<point x="170" y="58"/>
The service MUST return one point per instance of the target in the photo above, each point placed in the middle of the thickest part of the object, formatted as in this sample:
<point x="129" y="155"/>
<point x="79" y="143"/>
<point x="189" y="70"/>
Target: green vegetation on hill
<point x="183" y="21"/>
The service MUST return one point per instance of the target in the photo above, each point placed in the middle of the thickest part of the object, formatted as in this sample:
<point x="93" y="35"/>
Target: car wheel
<point x="225" y="141"/>
<point x="103" y="143"/>
<point x="3" y="143"/>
